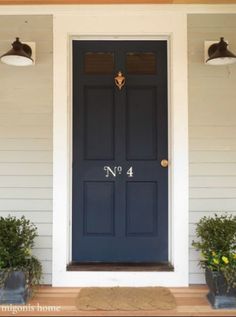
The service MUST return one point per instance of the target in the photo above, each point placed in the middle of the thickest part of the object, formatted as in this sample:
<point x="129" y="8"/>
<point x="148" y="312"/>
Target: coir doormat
<point x="125" y="298"/>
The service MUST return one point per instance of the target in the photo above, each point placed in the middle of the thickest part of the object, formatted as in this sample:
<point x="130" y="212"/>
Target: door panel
<point x="99" y="63"/>
<point x="141" y="63"/>
<point x="141" y="209"/>
<point x="99" y="123"/>
<point x="141" y="124"/>
<point x="99" y="208"/>
<point x="120" y="190"/>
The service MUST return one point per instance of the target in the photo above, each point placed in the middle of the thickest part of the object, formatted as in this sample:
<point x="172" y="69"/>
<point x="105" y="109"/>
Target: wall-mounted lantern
<point x="21" y="54"/>
<point x="217" y="53"/>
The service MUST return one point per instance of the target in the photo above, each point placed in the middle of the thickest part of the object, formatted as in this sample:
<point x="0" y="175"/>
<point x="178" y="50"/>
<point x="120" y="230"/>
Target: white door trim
<point x="174" y="27"/>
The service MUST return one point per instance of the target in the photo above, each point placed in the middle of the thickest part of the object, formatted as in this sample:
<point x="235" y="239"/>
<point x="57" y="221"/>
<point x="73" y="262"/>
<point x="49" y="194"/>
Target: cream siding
<point x="212" y="126"/>
<point x="26" y="131"/>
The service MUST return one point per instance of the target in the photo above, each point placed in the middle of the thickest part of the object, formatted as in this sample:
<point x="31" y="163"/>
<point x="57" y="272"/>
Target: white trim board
<point x="73" y="10"/>
<point x="173" y="26"/>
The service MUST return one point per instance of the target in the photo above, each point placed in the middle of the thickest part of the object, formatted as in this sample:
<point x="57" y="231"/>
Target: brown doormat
<point x="125" y="298"/>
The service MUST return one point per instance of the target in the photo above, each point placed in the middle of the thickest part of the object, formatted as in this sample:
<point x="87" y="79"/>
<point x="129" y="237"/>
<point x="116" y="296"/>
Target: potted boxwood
<point x="19" y="270"/>
<point x="217" y="243"/>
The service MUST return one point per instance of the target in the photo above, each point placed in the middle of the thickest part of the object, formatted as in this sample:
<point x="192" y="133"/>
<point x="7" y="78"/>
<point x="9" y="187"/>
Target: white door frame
<point x="123" y="38"/>
<point x="173" y="27"/>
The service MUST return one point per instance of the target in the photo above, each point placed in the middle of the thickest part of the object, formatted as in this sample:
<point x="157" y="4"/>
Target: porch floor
<point x="191" y="301"/>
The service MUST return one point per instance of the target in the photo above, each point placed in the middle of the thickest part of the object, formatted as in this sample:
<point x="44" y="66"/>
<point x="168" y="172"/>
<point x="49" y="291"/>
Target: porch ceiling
<point x="29" y="2"/>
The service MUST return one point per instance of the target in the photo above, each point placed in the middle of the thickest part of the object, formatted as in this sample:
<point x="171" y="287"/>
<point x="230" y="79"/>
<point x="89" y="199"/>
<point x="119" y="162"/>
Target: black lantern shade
<point x="18" y="55"/>
<point x="219" y="54"/>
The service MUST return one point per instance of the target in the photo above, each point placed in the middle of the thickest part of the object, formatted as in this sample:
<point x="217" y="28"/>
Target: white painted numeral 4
<point x="130" y="172"/>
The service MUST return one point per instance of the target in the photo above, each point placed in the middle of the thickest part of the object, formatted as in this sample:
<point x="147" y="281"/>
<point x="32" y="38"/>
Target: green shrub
<point x="16" y="243"/>
<point x="217" y="243"/>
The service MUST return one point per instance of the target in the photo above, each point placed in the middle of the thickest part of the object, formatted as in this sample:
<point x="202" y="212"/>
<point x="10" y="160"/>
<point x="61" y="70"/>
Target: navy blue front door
<point x="120" y="188"/>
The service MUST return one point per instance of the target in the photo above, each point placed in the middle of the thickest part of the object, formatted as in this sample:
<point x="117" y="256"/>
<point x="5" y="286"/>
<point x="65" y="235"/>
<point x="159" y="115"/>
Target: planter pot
<point x="220" y="296"/>
<point x="15" y="289"/>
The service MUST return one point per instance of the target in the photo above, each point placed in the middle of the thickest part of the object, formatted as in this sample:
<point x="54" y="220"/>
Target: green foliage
<point x="16" y="243"/>
<point x="217" y="243"/>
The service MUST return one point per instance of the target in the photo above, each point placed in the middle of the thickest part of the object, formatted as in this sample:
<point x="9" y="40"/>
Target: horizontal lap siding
<point x="212" y="127"/>
<point x="26" y="132"/>
<point x="26" y="129"/>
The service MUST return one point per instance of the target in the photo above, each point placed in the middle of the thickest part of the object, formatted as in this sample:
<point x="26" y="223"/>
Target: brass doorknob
<point x="164" y="163"/>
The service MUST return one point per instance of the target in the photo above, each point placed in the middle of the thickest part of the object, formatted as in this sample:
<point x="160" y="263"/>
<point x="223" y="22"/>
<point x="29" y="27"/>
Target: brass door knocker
<point x="119" y="80"/>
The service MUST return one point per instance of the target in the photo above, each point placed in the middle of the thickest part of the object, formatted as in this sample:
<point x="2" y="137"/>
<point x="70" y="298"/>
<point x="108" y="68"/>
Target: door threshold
<point x="118" y="267"/>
